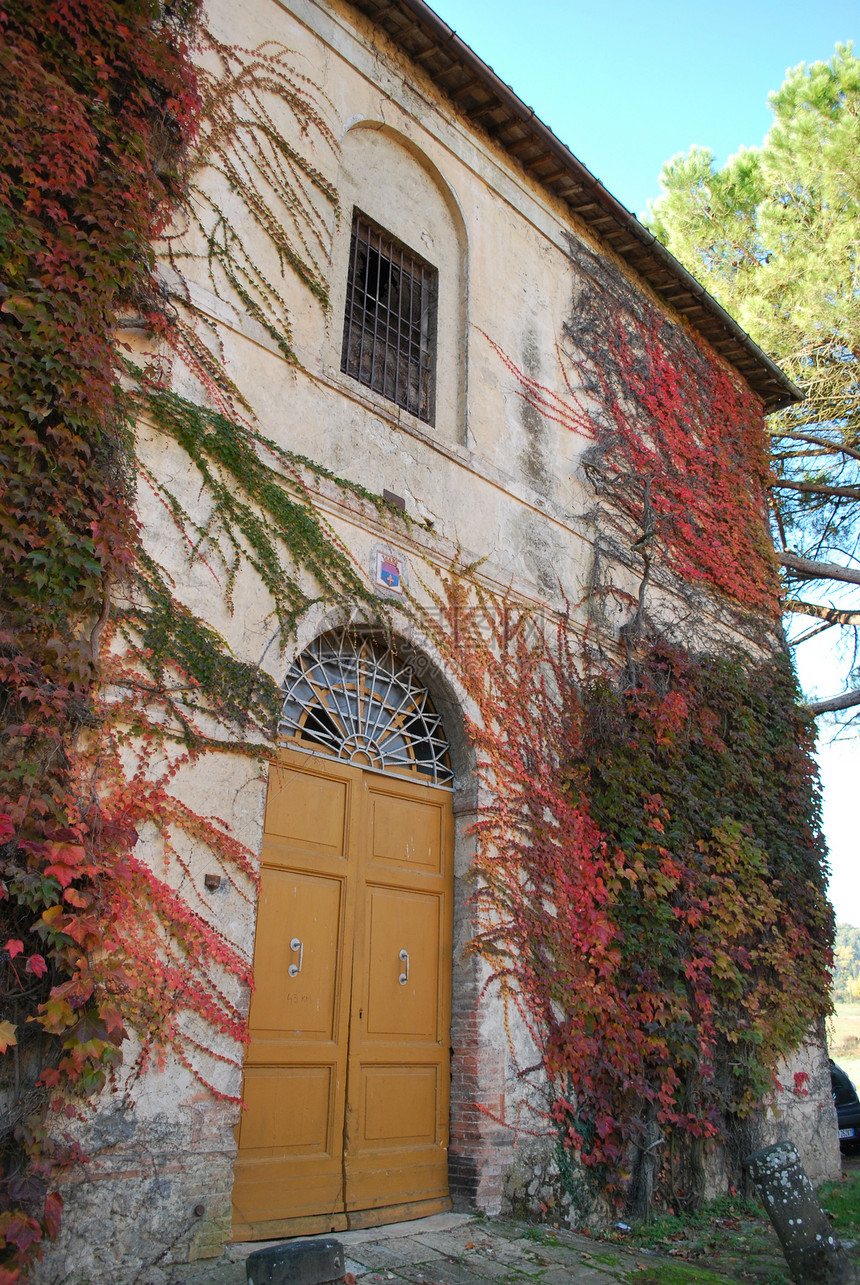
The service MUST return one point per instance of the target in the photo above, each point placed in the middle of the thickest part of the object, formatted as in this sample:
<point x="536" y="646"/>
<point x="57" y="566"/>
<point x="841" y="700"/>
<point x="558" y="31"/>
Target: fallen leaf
<point x="7" y="1036"/>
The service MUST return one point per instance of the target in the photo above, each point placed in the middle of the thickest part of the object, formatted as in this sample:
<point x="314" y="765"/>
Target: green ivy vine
<point x="109" y="684"/>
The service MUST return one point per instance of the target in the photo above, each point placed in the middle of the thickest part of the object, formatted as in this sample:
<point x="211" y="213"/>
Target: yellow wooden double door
<point x="347" y="1072"/>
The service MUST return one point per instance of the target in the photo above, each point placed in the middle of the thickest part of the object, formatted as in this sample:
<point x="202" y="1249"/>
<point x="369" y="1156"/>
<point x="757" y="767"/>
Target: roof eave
<point x="484" y="98"/>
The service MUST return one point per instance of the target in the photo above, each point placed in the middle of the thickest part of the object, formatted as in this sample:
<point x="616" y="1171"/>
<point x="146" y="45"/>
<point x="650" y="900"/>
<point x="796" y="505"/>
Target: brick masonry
<point x="481" y="1143"/>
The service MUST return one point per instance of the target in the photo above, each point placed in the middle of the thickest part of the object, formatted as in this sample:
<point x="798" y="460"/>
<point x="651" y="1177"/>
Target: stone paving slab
<point x="451" y="1249"/>
<point x="239" y="1250"/>
<point x="407" y="1248"/>
<point x="392" y="1231"/>
<point x="217" y="1272"/>
<point x="443" y="1272"/>
<point x="529" y="1258"/>
<point x="584" y="1276"/>
<point x="446" y="1242"/>
<point x="391" y="1256"/>
<point x="490" y="1268"/>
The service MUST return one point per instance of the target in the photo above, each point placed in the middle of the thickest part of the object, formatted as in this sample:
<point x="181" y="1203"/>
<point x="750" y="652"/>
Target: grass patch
<point x="843" y="1038"/>
<point x="681" y="1274"/>
<point x="842" y="1202"/>
<point x="605" y="1260"/>
<point x="732" y="1235"/>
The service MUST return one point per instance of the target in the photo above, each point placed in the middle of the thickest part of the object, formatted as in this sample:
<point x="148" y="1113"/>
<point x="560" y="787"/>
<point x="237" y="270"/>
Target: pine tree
<point x="775" y="236"/>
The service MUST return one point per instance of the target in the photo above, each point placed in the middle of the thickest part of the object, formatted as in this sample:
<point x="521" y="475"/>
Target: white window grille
<point x="356" y="699"/>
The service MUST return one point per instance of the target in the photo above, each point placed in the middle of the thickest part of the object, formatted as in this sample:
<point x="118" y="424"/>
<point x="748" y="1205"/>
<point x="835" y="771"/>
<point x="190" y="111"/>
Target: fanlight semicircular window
<point x="356" y="699"/>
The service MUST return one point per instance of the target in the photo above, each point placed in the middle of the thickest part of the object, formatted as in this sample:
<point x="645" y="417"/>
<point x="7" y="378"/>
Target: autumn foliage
<point x="678" y="457"/>
<point x="96" y="100"/>
<point x="650" y="871"/>
<point x="651" y="867"/>
<point x="110" y="687"/>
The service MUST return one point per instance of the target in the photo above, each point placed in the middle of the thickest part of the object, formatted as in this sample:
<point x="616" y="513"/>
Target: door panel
<point x="346" y="1080"/>
<point x="303" y="909"/>
<point x="406" y="833"/>
<point x="288" y="1109"/>
<point x="290" y="1162"/>
<point x="313" y="814"/>
<point x="290" y="1142"/>
<point x="399" y="1104"/>
<point x="399" y="1032"/>
<point x="402" y="924"/>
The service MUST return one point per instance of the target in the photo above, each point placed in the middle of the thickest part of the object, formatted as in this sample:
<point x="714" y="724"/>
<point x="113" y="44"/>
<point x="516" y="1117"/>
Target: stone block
<point x="298" y="1262"/>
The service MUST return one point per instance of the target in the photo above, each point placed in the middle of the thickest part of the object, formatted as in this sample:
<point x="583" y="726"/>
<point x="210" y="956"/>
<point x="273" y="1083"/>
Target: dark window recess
<point x="397" y="500"/>
<point x="389" y="330"/>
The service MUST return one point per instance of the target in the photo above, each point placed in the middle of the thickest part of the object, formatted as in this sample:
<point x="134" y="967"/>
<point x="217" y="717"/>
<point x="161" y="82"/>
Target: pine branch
<point x="807" y="569"/>
<point x="819" y="488"/>
<point x="829" y="614"/>
<point x="848" y="700"/>
<point x="832" y="448"/>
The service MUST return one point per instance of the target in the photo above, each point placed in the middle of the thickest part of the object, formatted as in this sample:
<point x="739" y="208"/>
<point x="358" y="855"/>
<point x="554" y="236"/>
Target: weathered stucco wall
<point x="490" y="479"/>
<point x="802" y="1110"/>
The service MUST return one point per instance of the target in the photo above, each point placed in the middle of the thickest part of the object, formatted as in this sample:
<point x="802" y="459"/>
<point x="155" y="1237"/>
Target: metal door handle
<point x="295" y="969"/>
<point x="404" y="977"/>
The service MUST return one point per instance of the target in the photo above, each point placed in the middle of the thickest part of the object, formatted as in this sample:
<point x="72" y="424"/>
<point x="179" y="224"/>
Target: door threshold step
<point x="238" y="1251"/>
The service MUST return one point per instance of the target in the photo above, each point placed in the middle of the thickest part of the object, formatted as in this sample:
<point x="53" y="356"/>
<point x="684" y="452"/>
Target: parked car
<point x="847" y="1106"/>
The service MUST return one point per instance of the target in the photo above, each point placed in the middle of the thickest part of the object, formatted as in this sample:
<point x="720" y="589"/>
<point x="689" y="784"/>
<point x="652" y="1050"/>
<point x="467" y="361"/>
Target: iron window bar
<point x="389" y="329"/>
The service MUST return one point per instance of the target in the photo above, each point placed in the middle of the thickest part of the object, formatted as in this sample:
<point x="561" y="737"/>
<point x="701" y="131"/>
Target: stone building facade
<point x="475" y="228"/>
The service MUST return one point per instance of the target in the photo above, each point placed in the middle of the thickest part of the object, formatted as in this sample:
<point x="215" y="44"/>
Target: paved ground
<point x="458" y="1249"/>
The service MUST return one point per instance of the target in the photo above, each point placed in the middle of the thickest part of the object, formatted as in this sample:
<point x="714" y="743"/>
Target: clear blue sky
<point x="627" y="85"/>
<point x="820" y="674"/>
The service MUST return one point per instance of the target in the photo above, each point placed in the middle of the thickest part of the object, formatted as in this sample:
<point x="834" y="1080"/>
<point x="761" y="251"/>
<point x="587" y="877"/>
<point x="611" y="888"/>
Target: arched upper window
<point x="356" y="699"/>
<point x="389" y="328"/>
<point x="399" y="281"/>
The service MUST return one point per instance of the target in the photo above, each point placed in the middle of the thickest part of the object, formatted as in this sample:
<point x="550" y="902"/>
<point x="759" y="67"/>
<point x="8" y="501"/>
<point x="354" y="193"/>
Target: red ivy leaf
<point x="22" y="1232"/>
<point x="53" y="1213"/>
<point x="61" y="873"/>
<point x="36" y="964"/>
<point x="112" y="1019"/>
<point x="76" y="898"/>
<point x="69" y="854"/>
<point x="800" y="1081"/>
